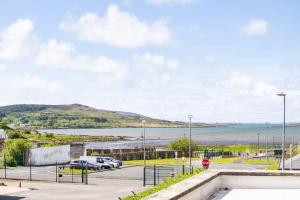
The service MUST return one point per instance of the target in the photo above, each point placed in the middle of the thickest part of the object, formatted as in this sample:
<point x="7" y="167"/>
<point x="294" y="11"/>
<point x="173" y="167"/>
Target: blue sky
<point x="222" y="61"/>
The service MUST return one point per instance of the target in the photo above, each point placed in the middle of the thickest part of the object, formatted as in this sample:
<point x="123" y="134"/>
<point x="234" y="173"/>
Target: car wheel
<point x="103" y="167"/>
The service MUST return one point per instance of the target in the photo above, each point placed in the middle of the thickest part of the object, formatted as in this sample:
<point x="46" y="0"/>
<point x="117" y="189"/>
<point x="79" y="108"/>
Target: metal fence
<point x="153" y="175"/>
<point x="52" y="173"/>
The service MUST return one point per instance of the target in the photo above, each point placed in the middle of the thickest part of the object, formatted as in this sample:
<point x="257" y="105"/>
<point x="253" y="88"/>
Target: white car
<point x="111" y="161"/>
<point x="98" y="161"/>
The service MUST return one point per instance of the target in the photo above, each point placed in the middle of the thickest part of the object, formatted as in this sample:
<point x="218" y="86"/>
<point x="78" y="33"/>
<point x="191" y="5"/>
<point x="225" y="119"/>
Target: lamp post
<point x="144" y="143"/>
<point x="190" y="140"/>
<point x="283" y="130"/>
<point x="257" y="144"/>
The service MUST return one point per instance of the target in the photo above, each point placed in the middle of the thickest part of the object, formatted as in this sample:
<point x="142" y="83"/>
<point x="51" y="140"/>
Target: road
<point x="109" y="184"/>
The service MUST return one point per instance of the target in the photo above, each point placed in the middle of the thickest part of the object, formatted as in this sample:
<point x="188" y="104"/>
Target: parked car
<point x="99" y="162"/>
<point x="113" y="160"/>
<point x="111" y="163"/>
<point x="82" y="164"/>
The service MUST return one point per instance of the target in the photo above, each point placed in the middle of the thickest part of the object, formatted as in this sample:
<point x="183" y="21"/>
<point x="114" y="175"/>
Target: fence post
<point x="154" y="174"/>
<point x="56" y="172"/>
<point x="86" y="174"/>
<point x="144" y="180"/>
<point x="72" y="174"/>
<point x="82" y="175"/>
<point x="158" y="175"/>
<point x="183" y="169"/>
<point x="4" y="167"/>
<point x="30" y="171"/>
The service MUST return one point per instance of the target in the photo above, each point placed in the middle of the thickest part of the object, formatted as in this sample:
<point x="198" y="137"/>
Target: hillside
<point x="76" y="116"/>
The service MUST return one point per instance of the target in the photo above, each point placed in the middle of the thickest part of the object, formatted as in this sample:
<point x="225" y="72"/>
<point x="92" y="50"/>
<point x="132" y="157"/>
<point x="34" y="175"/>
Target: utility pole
<point x="144" y="142"/>
<point x="190" y="140"/>
<point x="283" y="131"/>
<point x="267" y="147"/>
<point x="257" y="144"/>
<point x="291" y="157"/>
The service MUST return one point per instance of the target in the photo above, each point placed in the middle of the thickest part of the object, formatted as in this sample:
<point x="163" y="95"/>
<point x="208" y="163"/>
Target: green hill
<point x="76" y="116"/>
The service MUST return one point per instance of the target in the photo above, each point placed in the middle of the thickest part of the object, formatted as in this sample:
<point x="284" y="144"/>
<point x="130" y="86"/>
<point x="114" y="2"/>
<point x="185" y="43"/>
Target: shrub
<point x="182" y="144"/>
<point x="12" y="134"/>
<point x="49" y="135"/>
<point x="14" y="150"/>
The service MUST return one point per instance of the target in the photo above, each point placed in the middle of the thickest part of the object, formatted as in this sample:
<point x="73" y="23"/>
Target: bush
<point x="12" y="134"/>
<point x="14" y="150"/>
<point x="49" y="135"/>
<point x="182" y="144"/>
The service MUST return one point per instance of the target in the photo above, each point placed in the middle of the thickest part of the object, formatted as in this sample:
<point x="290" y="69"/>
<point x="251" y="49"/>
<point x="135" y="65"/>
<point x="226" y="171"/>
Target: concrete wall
<point x="132" y="153"/>
<point x="205" y="191"/>
<point x="48" y="155"/>
<point x="76" y="150"/>
<point x="202" y="186"/>
<point x="261" y="182"/>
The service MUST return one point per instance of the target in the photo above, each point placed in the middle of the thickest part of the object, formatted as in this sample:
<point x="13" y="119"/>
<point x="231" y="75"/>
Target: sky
<point x="220" y="61"/>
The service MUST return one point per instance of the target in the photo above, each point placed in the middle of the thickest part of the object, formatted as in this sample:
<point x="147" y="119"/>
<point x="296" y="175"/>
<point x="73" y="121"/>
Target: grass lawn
<point x="260" y="162"/>
<point x="167" y="161"/>
<point x="220" y="160"/>
<point x="165" y="184"/>
<point x="75" y="171"/>
<point x="272" y="167"/>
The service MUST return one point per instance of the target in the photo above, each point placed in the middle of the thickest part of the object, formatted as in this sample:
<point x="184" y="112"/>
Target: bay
<point x="222" y="135"/>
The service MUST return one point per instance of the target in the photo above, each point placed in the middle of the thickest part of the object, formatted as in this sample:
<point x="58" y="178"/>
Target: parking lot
<point x="108" y="184"/>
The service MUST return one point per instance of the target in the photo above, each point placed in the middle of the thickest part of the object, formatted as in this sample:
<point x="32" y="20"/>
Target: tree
<point x="182" y="145"/>
<point x="14" y="150"/>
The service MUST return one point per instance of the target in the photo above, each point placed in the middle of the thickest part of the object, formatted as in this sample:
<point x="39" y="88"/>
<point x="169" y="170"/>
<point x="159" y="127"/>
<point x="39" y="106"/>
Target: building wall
<point x="132" y="154"/>
<point x="48" y="155"/>
<point x="76" y="150"/>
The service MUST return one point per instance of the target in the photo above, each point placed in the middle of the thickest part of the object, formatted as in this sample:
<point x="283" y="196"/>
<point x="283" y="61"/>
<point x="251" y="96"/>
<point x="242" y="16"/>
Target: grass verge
<point x="75" y="171"/>
<point x="165" y="184"/>
<point x="221" y="160"/>
<point x="272" y="167"/>
<point x="167" y="161"/>
<point x="260" y="162"/>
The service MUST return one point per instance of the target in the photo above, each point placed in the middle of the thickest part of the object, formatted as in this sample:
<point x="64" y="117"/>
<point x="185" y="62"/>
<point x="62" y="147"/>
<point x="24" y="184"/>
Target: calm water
<point x="231" y="134"/>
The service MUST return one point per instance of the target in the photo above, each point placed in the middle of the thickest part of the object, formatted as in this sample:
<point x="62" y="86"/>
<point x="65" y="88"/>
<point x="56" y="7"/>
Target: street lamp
<point x="257" y="144"/>
<point x="144" y="144"/>
<point x="283" y="129"/>
<point x="190" y="140"/>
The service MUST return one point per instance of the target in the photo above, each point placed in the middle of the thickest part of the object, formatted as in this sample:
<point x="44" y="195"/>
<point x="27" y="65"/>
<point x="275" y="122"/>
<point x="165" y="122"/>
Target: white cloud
<point x="29" y="82"/>
<point x="210" y="59"/>
<point x="171" y="1"/>
<point x="118" y="29"/>
<point x="150" y="62"/>
<point x="63" y="55"/>
<point x="14" y="40"/>
<point x="264" y="89"/>
<point x="255" y="27"/>
<point x="3" y="67"/>
<point x="239" y="80"/>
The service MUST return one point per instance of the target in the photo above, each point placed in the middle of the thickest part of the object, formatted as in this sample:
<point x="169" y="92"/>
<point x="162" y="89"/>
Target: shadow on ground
<point x="4" y="197"/>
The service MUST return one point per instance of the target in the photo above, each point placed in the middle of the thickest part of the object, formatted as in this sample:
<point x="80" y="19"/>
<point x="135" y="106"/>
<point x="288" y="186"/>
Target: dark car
<point x="82" y="164"/>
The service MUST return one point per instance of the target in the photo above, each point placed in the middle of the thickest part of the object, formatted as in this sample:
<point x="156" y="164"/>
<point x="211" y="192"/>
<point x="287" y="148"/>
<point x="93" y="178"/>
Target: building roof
<point x="125" y="144"/>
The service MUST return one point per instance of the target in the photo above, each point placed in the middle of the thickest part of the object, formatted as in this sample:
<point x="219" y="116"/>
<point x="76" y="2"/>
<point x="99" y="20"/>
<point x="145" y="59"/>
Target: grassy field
<point x="75" y="171"/>
<point x="272" y="167"/>
<point x="167" y="161"/>
<point x="165" y="184"/>
<point x="220" y="160"/>
<point x="260" y="162"/>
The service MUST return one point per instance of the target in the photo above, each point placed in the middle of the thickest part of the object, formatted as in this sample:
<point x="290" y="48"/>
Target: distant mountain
<point x="76" y="116"/>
